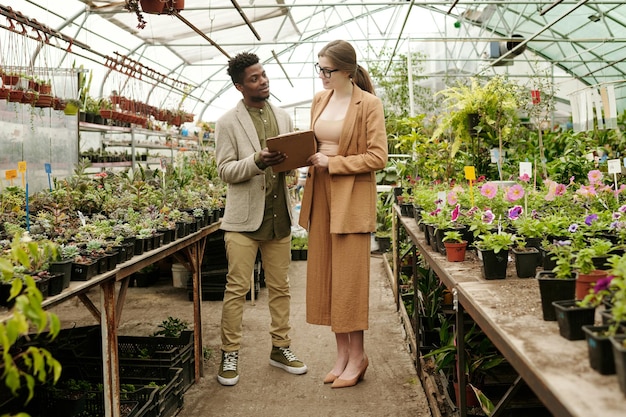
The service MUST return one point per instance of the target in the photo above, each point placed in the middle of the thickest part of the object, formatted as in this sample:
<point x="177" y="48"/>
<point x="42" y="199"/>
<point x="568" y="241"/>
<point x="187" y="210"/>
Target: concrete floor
<point x="390" y="388"/>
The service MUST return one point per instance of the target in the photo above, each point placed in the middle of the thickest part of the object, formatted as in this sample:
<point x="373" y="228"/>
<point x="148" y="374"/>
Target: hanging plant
<point x="133" y="6"/>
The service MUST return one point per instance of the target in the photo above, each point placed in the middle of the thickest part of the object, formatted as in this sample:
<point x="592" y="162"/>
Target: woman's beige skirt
<point x="338" y="268"/>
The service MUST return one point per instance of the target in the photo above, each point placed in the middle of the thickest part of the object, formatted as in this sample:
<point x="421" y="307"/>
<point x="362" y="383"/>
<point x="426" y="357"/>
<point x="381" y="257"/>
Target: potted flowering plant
<point x="494" y="250"/>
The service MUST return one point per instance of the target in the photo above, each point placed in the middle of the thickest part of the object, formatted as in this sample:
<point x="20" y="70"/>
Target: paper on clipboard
<point x="298" y="146"/>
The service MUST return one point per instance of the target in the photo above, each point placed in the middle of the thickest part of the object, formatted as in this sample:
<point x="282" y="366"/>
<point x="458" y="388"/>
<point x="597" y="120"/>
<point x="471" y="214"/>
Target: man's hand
<point x="270" y="158"/>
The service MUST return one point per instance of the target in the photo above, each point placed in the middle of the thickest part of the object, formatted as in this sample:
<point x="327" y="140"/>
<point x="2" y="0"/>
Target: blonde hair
<point x="343" y="57"/>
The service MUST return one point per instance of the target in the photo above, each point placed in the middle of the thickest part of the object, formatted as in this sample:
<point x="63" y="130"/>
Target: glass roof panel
<point x="583" y="39"/>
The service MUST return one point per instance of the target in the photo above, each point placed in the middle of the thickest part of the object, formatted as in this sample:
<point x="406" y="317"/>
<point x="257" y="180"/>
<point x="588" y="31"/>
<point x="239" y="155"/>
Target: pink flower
<point x="489" y="190"/>
<point x="455" y="213"/>
<point x="524" y="178"/>
<point x="622" y="208"/>
<point x="551" y="185"/>
<point x="515" y="212"/>
<point x="451" y="197"/>
<point x="595" y="177"/>
<point x="514" y="193"/>
<point x="586" y="190"/>
<point x="560" y="189"/>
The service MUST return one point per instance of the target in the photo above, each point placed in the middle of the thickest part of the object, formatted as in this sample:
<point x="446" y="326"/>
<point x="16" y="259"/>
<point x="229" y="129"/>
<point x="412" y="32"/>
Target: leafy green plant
<point x="33" y="364"/>
<point x="171" y="327"/>
<point x="481" y="357"/>
<point x="496" y="241"/>
<point x="453" y="236"/>
<point x="562" y="252"/>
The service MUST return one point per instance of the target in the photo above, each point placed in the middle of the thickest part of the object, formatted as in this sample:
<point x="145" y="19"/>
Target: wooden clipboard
<point x="298" y="146"/>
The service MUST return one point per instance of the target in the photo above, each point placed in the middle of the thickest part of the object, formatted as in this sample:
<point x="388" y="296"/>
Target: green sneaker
<point x="285" y="359"/>
<point x="228" y="374"/>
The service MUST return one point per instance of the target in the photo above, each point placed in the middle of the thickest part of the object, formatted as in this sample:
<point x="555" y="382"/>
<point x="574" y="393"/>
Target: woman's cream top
<point x="327" y="133"/>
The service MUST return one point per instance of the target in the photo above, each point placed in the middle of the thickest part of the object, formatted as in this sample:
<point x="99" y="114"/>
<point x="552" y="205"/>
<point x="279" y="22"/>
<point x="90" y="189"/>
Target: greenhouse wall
<point x="38" y="136"/>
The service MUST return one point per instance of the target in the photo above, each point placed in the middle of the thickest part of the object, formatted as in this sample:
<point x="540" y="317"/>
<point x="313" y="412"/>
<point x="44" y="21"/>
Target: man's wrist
<point x="259" y="163"/>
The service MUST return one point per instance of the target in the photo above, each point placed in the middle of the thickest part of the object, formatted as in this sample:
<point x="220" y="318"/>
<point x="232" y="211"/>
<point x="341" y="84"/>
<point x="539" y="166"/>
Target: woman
<point x="339" y="205"/>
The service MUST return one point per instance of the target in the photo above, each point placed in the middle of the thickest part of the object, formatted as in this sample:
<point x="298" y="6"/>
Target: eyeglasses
<point x="327" y="72"/>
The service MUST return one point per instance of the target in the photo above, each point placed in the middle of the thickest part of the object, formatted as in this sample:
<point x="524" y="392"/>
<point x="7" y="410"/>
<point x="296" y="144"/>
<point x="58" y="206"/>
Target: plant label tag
<point x="526" y="168"/>
<point x="441" y="198"/>
<point x="614" y="165"/>
<point x="10" y="174"/>
<point x="48" y="168"/>
<point x="470" y="173"/>
<point x="495" y="155"/>
<point x="21" y="166"/>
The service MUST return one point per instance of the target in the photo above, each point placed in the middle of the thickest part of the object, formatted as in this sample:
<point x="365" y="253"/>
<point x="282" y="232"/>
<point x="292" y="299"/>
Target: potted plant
<point x="525" y="259"/>
<point x="384" y="221"/>
<point x="494" y="250"/>
<point x="455" y="246"/>
<point x="588" y="274"/>
<point x="532" y="230"/>
<point x="560" y="282"/>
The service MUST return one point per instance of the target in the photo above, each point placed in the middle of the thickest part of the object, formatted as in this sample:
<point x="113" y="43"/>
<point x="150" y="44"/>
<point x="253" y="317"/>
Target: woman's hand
<point x="319" y="160"/>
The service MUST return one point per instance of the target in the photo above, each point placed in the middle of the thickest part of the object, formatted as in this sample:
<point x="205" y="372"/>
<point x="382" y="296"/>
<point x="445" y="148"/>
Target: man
<point x="257" y="215"/>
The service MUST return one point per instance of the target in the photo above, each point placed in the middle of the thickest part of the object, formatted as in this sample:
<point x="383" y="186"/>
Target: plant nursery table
<point x="509" y="313"/>
<point x="189" y="250"/>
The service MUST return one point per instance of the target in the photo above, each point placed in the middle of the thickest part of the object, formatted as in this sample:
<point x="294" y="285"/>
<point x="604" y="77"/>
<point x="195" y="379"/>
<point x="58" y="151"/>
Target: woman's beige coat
<point x="362" y="151"/>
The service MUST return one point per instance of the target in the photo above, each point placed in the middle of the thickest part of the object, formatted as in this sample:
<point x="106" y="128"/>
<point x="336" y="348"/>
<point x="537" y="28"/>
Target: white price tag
<point x="526" y="168"/>
<point x="615" y="166"/>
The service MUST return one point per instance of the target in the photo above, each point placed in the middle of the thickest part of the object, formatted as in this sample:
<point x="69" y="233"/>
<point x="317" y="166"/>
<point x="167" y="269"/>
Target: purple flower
<point x="534" y="214"/>
<point x="622" y="208"/>
<point x="572" y="228"/>
<point x="488" y="217"/>
<point x="603" y="284"/>
<point x="515" y="212"/>
<point x="563" y="242"/>
<point x="590" y="219"/>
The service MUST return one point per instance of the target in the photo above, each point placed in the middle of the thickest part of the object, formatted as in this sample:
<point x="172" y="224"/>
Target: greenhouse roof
<point x="183" y="54"/>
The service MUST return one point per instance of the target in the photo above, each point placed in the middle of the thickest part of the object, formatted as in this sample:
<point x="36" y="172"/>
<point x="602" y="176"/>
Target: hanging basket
<point x="177" y="5"/>
<point x="10" y="79"/>
<point x="44" y="100"/>
<point x="15" y="96"/>
<point x="153" y="6"/>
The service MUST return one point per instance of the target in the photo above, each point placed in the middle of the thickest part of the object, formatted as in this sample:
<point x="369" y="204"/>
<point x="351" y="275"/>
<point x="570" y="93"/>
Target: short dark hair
<point x="237" y="65"/>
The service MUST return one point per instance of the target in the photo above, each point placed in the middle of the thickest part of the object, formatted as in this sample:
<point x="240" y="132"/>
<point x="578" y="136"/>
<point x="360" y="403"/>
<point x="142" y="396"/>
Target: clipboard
<point x="298" y="146"/>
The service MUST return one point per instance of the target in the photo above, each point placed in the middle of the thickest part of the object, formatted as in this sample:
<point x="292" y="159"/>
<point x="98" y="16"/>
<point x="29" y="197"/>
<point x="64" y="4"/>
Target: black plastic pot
<point x="554" y="289"/>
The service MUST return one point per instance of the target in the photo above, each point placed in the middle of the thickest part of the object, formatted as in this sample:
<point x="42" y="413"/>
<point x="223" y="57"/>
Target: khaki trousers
<point x="241" y="252"/>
